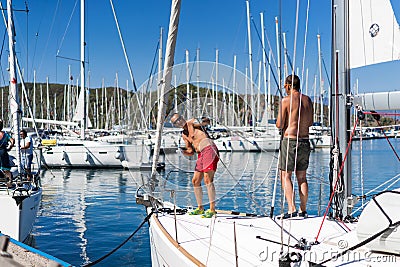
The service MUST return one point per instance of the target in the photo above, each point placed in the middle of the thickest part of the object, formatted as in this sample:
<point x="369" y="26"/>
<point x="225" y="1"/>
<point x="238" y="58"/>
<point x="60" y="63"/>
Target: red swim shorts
<point x="207" y="159"/>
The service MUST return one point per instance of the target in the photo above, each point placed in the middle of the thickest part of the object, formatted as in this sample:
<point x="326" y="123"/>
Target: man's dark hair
<point x="205" y="119"/>
<point x="24" y="132"/>
<point x="1" y="125"/>
<point x="295" y="82"/>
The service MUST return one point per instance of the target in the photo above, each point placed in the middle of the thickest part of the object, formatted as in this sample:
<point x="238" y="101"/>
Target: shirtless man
<point x="197" y="140"/>
<point x="6" y="143"/>
<point x="294" y="118"/>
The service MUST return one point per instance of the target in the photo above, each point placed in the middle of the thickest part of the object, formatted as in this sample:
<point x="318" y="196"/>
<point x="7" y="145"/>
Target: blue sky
<point x="204" y="24"/>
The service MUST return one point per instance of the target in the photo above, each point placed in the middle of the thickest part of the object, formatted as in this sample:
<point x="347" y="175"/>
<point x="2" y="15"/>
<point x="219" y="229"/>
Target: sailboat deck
<point x="211" y="242"/>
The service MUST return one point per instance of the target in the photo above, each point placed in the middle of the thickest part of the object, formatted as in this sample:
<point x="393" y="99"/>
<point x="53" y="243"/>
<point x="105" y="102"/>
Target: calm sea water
<point x="84" y="214"/>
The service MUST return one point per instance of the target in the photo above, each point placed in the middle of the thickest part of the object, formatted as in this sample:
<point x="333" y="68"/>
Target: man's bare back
<point x="294" y="118"/>
<point x="288" y="118"/>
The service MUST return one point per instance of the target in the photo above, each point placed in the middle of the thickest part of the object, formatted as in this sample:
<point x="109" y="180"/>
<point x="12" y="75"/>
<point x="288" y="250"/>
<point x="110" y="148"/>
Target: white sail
<point x="374" y="33"/>
<point x="79" y="111"/>
<point x="378" y="101"/>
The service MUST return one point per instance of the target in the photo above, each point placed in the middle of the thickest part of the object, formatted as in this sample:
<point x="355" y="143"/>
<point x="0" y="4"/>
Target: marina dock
<point x="14" y="253"/>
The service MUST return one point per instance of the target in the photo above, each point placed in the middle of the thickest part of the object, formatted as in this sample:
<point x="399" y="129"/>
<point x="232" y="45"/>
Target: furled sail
<point x="378" y="101"/>
<point x="374" y="33"/>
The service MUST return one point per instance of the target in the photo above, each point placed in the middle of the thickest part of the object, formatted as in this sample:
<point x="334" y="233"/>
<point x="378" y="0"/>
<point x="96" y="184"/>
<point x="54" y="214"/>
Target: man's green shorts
<point x="303" y="154"/>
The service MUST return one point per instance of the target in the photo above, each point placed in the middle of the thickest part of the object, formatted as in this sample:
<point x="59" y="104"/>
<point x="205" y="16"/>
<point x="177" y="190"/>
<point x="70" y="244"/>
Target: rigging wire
<point x="339" y="174"/>
<point x="266" y="55"/>
<point x="128" y="63"/>
<point x="1" y="54"/>
<point x="36" y="38"/>
<point x="153" y="68"/>
<point x="50" y="32"/>
<point x="377" y="118"/>
<point x="326" y="71"/>
<point x="361" y="165"/>
<point x="27" y="39"/>
<point x="4" y="39"/>
<point x="305" y="41"/>
<point x="66" y="28"/>
<point x="289" y="122"/>
<point x="391" y="226"/>
<point x="368" y="194"/>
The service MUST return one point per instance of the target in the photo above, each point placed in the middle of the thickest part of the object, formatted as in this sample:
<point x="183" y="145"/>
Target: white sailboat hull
<point x="231" y="239"/>
<point x="84" y="154"/>
<point x="170" y="142"/>
<point x="235" y="144"/>
<point x="136" y="156"/>
<point x="17" y="220"/>
<point x="164" y="250"/>
<point x="266" y="143"/>
<point x="323" y="141"/>
<point x="266" y="139"/>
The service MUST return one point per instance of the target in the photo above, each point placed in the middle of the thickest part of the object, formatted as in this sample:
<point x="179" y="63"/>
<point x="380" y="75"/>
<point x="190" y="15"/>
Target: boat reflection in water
<point x="86" y="213"/>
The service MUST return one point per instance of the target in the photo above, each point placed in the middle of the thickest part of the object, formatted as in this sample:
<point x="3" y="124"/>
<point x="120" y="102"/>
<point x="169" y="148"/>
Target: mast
<point x="118" y="98"/>
<point x="245" y="104"/>
<point x="285" y="67"/>
<point x="128" y="104"/>
<point x="106" y="108"/>
<point x="102" y="103"/>
<point x="47" y="99"/>
<point x="83" y="89"/>
<point x="321" y="82"/>
<point x="341" y="89"/>
<point x="216" y="86"/>
<point x="160" y="62"/>
<point x="198" y="109"/>
<point x="250" y="66"/>
<point x="278" y="52"/>
<point x="64" y="102"/>
<point x="97" y="109"/>
<point x="224" y="103"/>
<point x="2" y="103"/>
<point x="41" y="101"/>
<point x="167" y="76"/>
<point x="55" y="107"/>
<point x="69" y="94"/>
<point x="175" y="95"/>
<point x="34" y="94"/>
<point x="315" y="99"/>
<point x="234" y="90"/>
<point x="271" y="115"/>
<point x="264" y="62"/>
<point x="259" y="90"/>
<point x="307" y="81"/>
<point x="188" y="99"/>
<point x="14" y="99"/>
